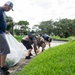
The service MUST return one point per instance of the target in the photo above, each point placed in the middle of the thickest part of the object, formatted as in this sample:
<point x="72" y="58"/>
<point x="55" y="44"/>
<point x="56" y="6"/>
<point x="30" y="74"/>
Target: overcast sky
<point x="35" y="11"/>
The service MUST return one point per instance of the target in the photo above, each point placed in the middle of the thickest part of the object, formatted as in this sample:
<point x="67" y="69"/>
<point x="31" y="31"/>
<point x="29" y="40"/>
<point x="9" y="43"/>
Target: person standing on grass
<point x="4" y="48"/>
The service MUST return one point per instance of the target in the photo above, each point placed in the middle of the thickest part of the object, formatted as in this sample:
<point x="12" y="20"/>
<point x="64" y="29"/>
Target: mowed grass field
<point x="59" y="60"/>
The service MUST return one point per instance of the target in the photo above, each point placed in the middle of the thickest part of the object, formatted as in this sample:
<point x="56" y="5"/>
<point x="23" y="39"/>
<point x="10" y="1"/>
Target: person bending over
<point x="28" y="41"/>
<point x="41" y="42"/>
<point x="47" y="39"/>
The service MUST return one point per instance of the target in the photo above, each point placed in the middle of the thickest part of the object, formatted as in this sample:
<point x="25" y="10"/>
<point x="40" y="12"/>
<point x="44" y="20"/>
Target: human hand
<point x="7" y="32"/>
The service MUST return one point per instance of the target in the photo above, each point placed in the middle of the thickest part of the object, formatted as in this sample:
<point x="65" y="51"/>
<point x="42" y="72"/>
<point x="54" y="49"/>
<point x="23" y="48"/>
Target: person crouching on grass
<point x="40" y="42"/>
<point x="28" y="41"/>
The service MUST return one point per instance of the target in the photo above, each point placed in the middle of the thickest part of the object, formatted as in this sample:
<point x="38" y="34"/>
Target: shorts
<point x="4" y="47"/>
<point x="27" y="44"/>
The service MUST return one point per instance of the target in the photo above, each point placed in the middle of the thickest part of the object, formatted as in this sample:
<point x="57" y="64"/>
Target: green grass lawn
<point x="58" y="60"/>
<point x="68" y="38"/>
<point x="19" y="38"/>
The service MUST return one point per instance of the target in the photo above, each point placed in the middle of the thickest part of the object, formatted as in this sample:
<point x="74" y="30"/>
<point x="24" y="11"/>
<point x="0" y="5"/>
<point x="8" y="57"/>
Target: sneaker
<point x="27" y="57"/>
<point x="4" y="71"/>
<point x="43" y="50"/>
<point x="31" y="54"/>
<point x="5" y="68"/>
<point x="0" y="70"/>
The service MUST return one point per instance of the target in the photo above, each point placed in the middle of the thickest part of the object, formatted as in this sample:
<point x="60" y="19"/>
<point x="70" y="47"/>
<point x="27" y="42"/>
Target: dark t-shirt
<point x="3" y="25"/>
<point x="47" y="38"/>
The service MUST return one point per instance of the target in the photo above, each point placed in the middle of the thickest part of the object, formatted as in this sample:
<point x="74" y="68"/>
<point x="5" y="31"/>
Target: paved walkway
<point x="18" y="67"/>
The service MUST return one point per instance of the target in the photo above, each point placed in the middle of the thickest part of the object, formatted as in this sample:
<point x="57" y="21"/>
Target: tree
<point x="46" y="27"/>
<point x="56" y="28"/>
<point x="72" y="28"/>
<point x="10" y="24"/>
<point x="65" y="25"/>
<point x="24" y="27"/>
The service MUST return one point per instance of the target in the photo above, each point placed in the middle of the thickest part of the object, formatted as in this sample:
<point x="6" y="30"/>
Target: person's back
<point x="26" y="38"/>
<point x="45" y="36"/>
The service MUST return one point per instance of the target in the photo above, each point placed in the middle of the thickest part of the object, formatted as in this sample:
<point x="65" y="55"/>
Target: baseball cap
<point x="10" y="5"/>
<point x="30" y="35"/>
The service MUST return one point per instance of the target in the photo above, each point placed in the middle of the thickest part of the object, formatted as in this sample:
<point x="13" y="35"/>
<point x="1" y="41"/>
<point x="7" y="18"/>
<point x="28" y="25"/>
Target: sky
<point x="36" y="11"/>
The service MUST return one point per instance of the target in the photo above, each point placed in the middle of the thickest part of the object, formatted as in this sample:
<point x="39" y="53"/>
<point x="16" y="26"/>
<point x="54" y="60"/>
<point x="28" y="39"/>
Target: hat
<point x="30" y="35"/>
<point x="10" y="5"/>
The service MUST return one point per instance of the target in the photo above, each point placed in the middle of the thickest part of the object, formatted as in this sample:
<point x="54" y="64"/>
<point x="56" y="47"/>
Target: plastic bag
<point x="16" y="50"/>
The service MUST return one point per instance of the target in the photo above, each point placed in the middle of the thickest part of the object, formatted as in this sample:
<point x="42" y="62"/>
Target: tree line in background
<point x="63" y="27"/>
<point x="19" y="28"/>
